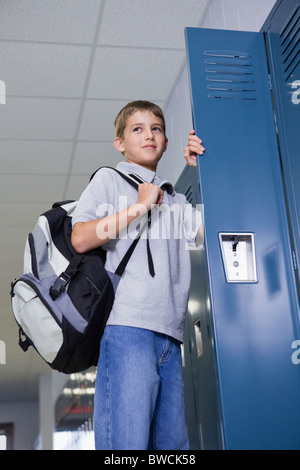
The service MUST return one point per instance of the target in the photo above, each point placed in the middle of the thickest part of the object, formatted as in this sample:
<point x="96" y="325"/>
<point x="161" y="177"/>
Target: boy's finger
<point x="160" y="197"/>
<point x="196" y="143"/>
<point x="196" y="148"/>
<point x="191" y="160"/>
<point x="193" y="136"/>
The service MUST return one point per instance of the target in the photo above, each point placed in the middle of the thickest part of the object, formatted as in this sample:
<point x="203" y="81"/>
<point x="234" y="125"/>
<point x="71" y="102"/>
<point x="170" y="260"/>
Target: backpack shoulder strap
<point x="132" y="179"/>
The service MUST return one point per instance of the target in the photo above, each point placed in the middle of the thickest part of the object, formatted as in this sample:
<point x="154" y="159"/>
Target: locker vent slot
<point x="229" y="75"/>
<point x="189" y="194"/>
<point x="290" y="43"/>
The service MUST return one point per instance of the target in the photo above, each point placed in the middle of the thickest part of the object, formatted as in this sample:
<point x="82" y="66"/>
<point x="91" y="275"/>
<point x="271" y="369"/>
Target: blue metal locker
<point x="283" y="43"/>
<point x="251" y="299"/>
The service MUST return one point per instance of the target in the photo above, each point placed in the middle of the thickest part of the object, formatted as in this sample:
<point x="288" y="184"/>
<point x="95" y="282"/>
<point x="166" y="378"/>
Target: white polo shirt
<point x="155" y="303"/>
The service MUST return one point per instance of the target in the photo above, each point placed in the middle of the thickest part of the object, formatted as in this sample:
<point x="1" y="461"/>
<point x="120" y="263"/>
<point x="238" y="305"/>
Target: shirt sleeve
<point x="97" y="200"/>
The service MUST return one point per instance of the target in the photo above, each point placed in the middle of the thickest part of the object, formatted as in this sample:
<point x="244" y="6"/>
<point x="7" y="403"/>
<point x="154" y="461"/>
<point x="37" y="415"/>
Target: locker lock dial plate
<point x="238" y="254"/>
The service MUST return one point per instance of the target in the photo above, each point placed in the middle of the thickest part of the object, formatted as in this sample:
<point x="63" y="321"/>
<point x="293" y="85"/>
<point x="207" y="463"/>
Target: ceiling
<point x="69" y="66"/>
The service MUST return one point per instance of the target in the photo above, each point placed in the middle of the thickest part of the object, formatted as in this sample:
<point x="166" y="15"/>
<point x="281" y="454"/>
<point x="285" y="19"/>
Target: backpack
<point x="62" y="301"/>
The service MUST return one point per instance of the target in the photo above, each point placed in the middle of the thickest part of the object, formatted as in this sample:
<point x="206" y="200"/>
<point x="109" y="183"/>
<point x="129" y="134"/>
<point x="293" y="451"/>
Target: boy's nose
<point x="148" y="134"/>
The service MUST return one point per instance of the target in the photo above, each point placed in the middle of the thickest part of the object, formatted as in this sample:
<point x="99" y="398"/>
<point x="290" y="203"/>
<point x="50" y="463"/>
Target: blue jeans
<point x="139" y="398"/>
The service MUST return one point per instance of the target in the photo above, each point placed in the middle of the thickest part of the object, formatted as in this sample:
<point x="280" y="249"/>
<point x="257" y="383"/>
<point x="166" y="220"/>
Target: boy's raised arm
<point x="193" y="149"/>
<point x="89" y="235"/>
<point x="190" y="153"/>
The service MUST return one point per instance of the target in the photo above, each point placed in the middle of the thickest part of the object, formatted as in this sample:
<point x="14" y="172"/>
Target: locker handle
<point x="198" y="338"/>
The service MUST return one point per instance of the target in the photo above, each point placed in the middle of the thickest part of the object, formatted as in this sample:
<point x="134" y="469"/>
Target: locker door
<point x="254" y="303"/>
<point x="283" y="42"/>
<point x="202" y="403"/>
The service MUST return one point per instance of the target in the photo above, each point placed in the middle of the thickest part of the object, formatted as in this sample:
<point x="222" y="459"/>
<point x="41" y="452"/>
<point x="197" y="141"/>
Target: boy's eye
<point x="154" y="129"/>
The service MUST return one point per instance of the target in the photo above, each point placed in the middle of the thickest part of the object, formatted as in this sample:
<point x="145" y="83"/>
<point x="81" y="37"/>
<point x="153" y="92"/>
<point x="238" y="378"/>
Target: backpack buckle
<point x="59" y="285"/>
<point x="23" y="343"/>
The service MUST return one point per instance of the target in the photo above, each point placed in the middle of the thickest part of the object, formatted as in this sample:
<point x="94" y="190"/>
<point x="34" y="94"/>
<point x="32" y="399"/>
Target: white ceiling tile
<point x="134" y="73"/>
<point x="49" y="20"/>
<point x="91" y="155"/>
<point x="150" y="24"/>
<point x="7" y="315"/>
<point x="5" y="300"/>
<point x="35" y="157"/>
<point x="12" y="254"/>
<point x="76" y="186"/>
<point x="16" y="214"/>
<point x="27" y="188"/>
<point x="14" y="236"/>
<point x="37" y="118"/>
<point x="98" y="120"/>
<point x="32" y="69"/>
<point x="7" y="274"/>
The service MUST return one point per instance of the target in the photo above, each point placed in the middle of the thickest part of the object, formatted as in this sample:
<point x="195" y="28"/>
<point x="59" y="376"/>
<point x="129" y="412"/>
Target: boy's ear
<point x="166" y="144"/>
<point x="118" y="143"/>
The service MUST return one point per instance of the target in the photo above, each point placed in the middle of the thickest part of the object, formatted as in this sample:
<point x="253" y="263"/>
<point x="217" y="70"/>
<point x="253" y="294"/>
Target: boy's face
<point x="144" y="140"/>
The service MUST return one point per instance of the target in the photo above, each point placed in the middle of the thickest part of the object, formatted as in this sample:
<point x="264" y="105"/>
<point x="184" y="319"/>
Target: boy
<point x="139" y="398"/>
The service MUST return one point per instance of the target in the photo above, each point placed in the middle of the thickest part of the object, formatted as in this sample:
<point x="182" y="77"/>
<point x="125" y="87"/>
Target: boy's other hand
<point x="193" y="149"/>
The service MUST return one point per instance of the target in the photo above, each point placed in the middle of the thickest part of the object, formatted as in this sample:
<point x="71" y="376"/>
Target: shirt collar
<point x="148" y="176"/>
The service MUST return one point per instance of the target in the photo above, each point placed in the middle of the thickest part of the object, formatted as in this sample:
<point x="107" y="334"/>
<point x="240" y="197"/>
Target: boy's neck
<point x="150" y="167"/>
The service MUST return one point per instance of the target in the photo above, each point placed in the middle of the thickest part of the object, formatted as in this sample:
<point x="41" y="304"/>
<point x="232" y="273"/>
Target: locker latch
<point x="238" y="253"/>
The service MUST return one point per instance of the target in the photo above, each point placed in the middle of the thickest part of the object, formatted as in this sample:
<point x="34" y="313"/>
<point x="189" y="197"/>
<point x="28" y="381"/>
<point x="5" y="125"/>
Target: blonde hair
<point x="130" y="109"/>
